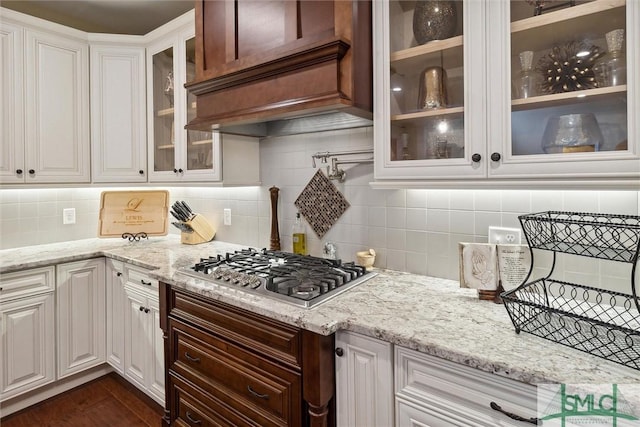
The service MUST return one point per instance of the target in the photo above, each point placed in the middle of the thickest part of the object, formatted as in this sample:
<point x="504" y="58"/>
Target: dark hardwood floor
<point x="108" y="401"/>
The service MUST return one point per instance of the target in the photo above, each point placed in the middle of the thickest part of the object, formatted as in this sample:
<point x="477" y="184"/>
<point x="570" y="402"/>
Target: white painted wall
<point x="411" y="230"/>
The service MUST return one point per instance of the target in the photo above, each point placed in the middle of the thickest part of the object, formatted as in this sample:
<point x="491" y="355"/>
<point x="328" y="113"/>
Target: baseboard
<point x="25" y="400"/>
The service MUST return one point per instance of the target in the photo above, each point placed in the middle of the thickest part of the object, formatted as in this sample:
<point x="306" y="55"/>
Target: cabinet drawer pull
<point x="146" y="310"/>
<point x="190" y="358"/>
<point x="256" y="394"/>
<point x="145" y="283"/>
<point x="496" y="407"/>
<point x="191" y="419"/>
<point x="141" y="308"/>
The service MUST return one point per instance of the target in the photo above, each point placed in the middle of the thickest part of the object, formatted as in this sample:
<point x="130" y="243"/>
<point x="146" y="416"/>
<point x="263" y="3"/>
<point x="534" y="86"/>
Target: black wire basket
<point x="597" y="321"/>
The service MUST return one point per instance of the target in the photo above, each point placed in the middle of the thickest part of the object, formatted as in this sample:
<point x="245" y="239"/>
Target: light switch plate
<point x="227" y="217"/>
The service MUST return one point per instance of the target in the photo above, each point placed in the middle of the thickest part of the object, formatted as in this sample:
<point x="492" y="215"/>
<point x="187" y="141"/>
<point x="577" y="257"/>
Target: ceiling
<point x="104" y="16"/>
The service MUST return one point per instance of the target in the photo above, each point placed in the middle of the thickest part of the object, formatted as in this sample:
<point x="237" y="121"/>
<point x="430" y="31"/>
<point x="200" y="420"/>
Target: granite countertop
<point x="428" y="314"/>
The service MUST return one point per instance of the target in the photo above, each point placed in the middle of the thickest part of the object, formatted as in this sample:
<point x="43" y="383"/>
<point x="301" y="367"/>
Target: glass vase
<point x="526" y="81"/>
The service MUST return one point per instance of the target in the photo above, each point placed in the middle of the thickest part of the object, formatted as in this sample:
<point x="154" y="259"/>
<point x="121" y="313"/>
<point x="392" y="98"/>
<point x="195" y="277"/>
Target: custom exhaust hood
<point x="282" y="67"/>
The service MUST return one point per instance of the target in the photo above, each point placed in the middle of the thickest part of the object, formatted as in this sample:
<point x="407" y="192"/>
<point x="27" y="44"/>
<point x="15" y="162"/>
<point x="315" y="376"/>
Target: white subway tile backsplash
<point x="396" y="198"/>
<point x="618" y="202"/>
<point x="438" y="220"/>
<point x="486" y="200"/>
<point x="396" y="239"/>
<point x="515" y="201"/>
<point x="377" y="216"/>
<point x="461" y="200"/>
<point x="438" y="199"/>
<point x="416" y="263"/>
<point x="414" y="230"/>
<point x="546" y="200"/>
<point x="396" y="218"/>
<point x="416" y="241"/>
<point x="580" y="201"/>
<point x="461" y="222"/>
<point x="396" y="260"/>
<point x="416" y="219"/>
<point x="484" y="220"/>
<point x="417" y="199"/>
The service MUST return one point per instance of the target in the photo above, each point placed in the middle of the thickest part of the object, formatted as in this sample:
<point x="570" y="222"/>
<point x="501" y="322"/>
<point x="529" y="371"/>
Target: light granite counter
<point x="431" y="315"/>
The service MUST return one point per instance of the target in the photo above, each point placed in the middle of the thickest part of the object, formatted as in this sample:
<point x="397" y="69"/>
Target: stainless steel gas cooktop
<point x="302" y="280"/>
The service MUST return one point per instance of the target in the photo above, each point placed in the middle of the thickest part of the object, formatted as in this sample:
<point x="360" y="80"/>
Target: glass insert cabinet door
<point x="568" y="84"/>
<point x="164" y="129"/>
<point x="178" y="154"/>
<point x="426" y="92"/>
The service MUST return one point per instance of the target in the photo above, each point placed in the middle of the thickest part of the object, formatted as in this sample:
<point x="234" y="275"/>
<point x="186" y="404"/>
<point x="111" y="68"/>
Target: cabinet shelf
<point x="559" y="99"/>
<point x="427" y="114"/>
<point x="202" y="142"/>
<point x="165" y="112"/>
<point x="573" y="23"/>
<point x="447" y="53"/>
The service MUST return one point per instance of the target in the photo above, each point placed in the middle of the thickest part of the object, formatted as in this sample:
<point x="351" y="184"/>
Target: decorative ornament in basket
<point x="569" y="68"/>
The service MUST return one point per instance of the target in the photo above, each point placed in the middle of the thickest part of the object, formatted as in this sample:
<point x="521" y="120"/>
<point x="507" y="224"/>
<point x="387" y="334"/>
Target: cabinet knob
<point x="118" y="274"/>
<point x="141" y="308"/>
<point x="339" y="352"/>
<point x="141" y="172"/>
<point x="180" y="170"/>
<point x="496" y="157"/>
<point x="476" y="158"/>
<point x="32" y="171"/>
<point x="175" y="170"/>
<point x="19" y="171"/>
<point x="146" y="310"/>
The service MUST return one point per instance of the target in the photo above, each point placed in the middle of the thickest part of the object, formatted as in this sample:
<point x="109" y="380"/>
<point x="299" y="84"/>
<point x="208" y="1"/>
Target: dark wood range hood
<point x="260" y="63"/>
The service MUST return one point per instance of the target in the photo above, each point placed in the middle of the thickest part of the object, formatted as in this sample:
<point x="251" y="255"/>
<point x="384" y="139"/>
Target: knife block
<point x="203" y="231"/>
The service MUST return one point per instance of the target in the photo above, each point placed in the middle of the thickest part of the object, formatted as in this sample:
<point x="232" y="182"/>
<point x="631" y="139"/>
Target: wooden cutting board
<point x="133" y="212"/>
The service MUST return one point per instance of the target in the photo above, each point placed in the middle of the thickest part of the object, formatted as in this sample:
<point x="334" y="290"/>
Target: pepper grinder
<point x="275" y="233"/>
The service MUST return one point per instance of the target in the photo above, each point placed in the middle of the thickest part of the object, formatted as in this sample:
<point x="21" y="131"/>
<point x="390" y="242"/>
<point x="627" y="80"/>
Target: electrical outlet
<point x="505" y="235"/>
<point x="227" y="217"/>
<point x="69" y="216"/>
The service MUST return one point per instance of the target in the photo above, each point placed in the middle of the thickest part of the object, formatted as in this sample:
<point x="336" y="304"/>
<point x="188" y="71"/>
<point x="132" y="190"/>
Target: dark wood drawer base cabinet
<point x="229" y="367"/>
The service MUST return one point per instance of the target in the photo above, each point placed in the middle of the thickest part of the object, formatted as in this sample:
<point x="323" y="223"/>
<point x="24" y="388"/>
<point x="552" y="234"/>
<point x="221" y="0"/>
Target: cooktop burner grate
<point x="302" y="280"/>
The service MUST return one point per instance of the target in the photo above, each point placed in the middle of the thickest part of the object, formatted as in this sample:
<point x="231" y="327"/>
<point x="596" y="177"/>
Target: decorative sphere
<point x="434" y="20"/>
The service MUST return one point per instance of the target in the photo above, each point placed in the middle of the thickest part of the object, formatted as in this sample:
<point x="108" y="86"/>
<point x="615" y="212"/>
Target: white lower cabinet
<point x="144" y="345"/>
<point x="435" y="392"/>
<point x="364" y="381"/>
<point x="81" y="318"/>
<point x="116" y="300"/>
<point x="27" y="346"/>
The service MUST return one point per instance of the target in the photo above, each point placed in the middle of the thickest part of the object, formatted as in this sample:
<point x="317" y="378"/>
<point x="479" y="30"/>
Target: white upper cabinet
<point x="118" y="116"/>
<point x="57" y="108"/>
<point x="542" y="99"/>
<point x="176" y="154"/>
<point x="45" y="137"/>
<point x="429" y="96"/>
<point x="12" y="107"/>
